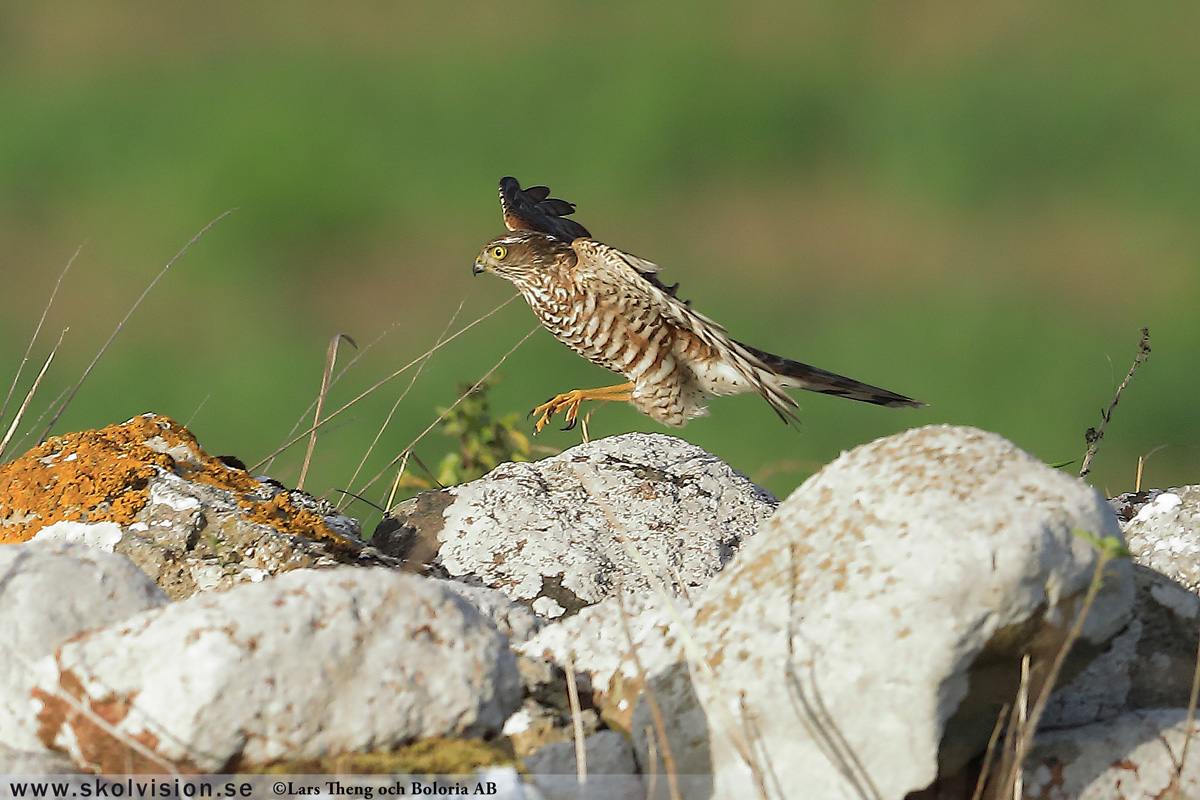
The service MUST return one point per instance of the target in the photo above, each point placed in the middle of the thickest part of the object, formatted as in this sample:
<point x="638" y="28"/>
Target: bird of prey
<point x="611" y="308"/>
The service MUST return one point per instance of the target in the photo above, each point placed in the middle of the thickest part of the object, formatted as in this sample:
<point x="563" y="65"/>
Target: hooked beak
<point x="478" y="268"/>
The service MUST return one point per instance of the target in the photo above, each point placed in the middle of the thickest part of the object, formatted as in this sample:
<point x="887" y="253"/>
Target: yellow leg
<point x="571" y="400"/>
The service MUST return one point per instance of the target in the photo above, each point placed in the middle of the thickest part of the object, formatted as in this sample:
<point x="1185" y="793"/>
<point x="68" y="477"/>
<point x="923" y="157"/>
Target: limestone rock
<point x="565" y="532"/>
<point x="1148" y="664"/>
<point x="546" y="717"/>
<point x="1163" y="531"/>
<point x="1132" y="757"/>
<point x="192" y="522"/>
<point x="611" y="770"/>
<point x="309" y="664"/>
<point x="613" y="642"/>
<point x="515" y="620"/>
<point x="19" y="762"/>
<point x="49" y="593"/>
<point x="882" y="613"/>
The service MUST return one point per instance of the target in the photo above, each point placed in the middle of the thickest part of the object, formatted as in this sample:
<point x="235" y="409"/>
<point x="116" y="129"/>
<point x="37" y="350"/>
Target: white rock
<point x="886" y="605"/>
<point x="311" y="663"/>
<point x="1165" y="535"/>
<point x="49" y="592"/>
<point x="601" y="640"/>
<point x="1164" y="503"/>
<point x="19" y="762"/>
<point x="565" y="532"/>
<point x="515" y="620"/>
<point x="611" y="771"/>
<point x="1133" y="757"/>
<point x="1149" y="664"/>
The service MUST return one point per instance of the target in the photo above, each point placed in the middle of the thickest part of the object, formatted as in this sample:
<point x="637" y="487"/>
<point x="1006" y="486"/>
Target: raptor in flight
<point x="611" y="308"/>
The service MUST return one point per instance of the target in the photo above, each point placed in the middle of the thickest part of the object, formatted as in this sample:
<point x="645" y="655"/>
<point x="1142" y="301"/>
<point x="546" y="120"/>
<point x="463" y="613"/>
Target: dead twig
<point x="1094" y="435"/>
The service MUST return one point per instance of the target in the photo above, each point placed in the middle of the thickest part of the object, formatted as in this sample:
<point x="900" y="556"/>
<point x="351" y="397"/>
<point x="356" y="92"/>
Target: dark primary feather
<point x="815" y="379"/>
<point x="533" y="209"/>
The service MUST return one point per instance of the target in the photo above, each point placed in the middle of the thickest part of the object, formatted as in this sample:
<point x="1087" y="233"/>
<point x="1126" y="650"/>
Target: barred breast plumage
<point x="612" y="329"/>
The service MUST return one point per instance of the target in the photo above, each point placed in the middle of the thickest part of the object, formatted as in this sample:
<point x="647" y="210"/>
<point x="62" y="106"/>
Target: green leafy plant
<point x="484" y="442"/>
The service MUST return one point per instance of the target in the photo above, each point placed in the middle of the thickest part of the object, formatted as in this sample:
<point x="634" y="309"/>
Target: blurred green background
<point x="974" y="204"/>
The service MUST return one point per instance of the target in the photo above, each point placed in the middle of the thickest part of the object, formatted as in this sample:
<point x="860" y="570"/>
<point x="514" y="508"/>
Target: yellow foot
<point x="571" y="400"/>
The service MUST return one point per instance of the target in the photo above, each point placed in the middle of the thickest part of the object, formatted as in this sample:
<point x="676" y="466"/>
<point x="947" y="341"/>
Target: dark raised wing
<point x="533" y="209"/>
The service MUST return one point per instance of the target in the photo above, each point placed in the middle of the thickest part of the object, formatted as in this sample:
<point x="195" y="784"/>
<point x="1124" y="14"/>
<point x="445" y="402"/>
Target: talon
<point x="569" y="404"/>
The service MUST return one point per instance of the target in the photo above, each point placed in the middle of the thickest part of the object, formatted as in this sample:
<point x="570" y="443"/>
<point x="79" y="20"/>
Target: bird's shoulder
<point x="604" y="265"/>
<point x="600" y="258"/>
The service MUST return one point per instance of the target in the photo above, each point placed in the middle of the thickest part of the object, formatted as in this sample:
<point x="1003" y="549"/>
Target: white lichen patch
<point x="101" y="535"/>
<point x="1167" y="501"/>
<point x="163" y="493"/>
<point x="518" y="722"/>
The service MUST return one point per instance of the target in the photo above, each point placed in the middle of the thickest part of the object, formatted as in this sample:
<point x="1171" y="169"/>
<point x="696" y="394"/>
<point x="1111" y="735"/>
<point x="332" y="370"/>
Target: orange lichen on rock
<point x="280" y="513"/>
<point x="103" y="475"/>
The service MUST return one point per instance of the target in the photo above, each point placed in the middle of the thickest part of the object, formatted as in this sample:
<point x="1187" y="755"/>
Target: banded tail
<point x="813" y="379"/>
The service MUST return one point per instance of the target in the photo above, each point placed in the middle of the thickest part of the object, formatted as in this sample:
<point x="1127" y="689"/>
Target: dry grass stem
<point x="196" y="413"/>
<point x="691" y="647"/>
<point x="1094" y="435"/>
<point x="396" y="483"/>
<point x="326" y="377"/>
<point x="812" y="712"/>
<point x="270" y="457"/>
<point x="1025" y="732"/>
<point x="660" y="725"/>
<point x="71" y="395"/>
<point x="1188" y="730"/>
<point x="989" y="755"/>
<point x="652" y="758"/>
<point x="396" y="405"/>
<point x="1022" y="742"/>
<point x="38" y="422"/>
<point x="576" y="721"/>
<point x="29" y="395"/>
<point x="453" y="405"/>
<point x="341" y="373"/>
<point x="36" y="332"/>
<point x="762" y="757"/>
<point x="1137" y="484"/>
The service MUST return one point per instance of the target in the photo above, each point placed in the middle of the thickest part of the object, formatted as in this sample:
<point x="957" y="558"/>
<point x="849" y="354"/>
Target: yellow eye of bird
<point x="499" y="252"/>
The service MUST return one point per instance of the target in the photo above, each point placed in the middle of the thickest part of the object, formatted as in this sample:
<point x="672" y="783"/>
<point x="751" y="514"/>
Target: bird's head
<point x="521" y="256"/>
